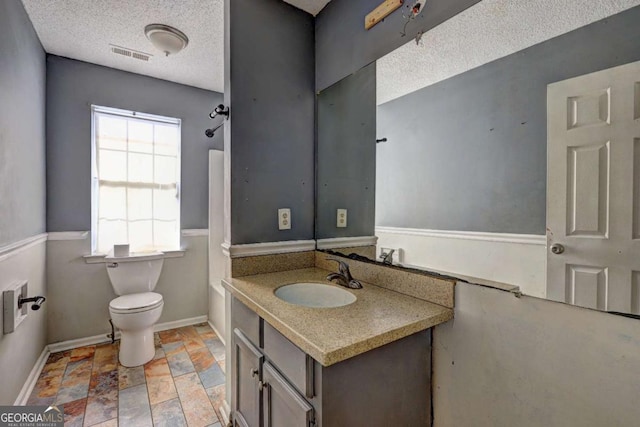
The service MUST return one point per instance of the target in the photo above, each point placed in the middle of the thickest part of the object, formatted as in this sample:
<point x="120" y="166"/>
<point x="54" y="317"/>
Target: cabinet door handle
<point x="268" y="406"/>
<point x="262" y="385"/>
<point x="254" y="372"/>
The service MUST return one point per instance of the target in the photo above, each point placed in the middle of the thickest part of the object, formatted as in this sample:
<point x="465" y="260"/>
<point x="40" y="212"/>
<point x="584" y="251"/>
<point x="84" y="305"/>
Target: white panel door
<point x="593" y="190"/>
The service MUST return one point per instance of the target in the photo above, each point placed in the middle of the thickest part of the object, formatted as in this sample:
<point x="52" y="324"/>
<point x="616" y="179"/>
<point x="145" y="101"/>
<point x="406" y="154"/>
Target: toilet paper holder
<point x="37" y="302"/>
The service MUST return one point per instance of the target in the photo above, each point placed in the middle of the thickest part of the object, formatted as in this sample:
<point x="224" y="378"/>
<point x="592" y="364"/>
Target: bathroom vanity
<point x="363" y="364"/>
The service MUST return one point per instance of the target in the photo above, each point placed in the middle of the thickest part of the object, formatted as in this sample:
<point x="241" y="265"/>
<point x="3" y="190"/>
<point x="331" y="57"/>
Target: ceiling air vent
<point x="119" y="50"/>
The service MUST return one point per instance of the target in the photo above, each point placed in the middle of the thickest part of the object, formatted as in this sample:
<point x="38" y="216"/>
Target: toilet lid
<point x="136" y="301"/>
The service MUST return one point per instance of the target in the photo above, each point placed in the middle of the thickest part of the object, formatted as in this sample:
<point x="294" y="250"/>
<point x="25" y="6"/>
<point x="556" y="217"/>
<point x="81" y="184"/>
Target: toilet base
<point x="136" y="347"/>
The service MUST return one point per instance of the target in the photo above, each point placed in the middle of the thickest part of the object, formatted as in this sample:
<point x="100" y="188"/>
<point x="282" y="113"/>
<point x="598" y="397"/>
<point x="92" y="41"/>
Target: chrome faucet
<point x="387" y="257"/>
<point x="343" y="278"/>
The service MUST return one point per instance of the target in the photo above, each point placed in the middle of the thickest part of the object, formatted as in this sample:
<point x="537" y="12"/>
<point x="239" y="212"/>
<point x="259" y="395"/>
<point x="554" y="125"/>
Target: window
<point x="136" y="181"/>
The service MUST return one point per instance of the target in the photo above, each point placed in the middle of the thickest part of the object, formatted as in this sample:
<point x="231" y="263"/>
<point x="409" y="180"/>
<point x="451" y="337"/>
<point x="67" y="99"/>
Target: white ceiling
<point x="489" y="30"/>
<point x="83" y="30"/>
<point x="312" y="6"/>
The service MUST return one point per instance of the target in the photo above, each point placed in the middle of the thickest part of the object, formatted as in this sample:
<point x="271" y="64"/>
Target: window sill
<point x="100" y="258"/>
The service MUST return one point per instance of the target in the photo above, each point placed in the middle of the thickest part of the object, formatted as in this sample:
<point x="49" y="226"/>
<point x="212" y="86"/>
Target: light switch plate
<point x="341" y="218"/>
<point x="284" y="219"/>
<point x="12" y="315"/>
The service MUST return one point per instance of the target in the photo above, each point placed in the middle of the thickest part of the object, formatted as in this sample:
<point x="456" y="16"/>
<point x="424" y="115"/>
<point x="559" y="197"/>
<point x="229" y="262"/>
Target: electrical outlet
<point x="284" y="219"/>
<point x="341" y="220"/>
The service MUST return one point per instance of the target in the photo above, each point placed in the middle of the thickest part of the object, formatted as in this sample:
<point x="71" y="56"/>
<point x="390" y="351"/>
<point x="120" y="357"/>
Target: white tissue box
<point x="121" y="250"/>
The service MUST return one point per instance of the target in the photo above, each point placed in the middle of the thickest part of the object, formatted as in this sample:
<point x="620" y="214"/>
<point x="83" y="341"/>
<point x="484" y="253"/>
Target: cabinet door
<point x="283" y="406"/>
<point x="246" y="374"/>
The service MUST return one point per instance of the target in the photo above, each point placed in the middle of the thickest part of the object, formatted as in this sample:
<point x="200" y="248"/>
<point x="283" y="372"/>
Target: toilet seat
<point x="136" y="303"/>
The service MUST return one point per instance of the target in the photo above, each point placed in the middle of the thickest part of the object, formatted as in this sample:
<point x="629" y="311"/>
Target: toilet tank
<point x="134" y="273"/>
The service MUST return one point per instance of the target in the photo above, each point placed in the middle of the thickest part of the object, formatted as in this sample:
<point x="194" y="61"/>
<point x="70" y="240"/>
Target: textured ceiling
<point x="82" y="29"/>
<point x="312" y="6"/>
<point x="489" y="30"/>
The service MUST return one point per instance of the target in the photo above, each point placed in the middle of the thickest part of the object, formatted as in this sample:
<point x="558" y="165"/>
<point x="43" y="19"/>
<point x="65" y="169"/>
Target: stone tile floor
<point x="182" y="386"/>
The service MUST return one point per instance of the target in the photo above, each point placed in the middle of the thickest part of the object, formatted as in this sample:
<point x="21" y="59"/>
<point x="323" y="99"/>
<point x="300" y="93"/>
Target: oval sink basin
<point x="315" y="295"/>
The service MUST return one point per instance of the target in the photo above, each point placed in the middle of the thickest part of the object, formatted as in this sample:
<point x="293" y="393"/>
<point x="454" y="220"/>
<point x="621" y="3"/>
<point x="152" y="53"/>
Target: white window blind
<point x="136" y="181"/>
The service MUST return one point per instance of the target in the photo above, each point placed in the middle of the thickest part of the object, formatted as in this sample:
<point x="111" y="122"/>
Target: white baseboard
<point x="98" y="339"/>
<point x="225" y="410"/>
<point x="217" y="333"/>
<point x="80" y="342"/>
<point x="32" y="379"/>
<point x="180" y="323"/>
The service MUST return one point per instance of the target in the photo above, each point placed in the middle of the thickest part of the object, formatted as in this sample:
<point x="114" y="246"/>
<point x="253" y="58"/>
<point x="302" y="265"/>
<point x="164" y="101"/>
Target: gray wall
<point x="269" y="85"/>
<point x="469" y="153"/>
<point x="505" y="361"/>
<point x="22" y="126"/>
<point x="346" y="155"/>
<point x="72" y="86"/>
<point x="343" y="46"/>
<point x="22" y="188"/>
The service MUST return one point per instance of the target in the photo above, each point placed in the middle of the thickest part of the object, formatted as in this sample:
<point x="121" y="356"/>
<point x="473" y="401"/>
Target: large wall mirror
<point x="504" y="146"/>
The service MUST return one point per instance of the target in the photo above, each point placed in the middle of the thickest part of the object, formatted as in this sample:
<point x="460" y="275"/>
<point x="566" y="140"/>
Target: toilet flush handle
<point x="112" y="265"/>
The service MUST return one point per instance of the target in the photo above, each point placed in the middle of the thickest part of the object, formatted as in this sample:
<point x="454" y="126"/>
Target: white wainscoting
<point x="346" y="242"/>
<point x="68" y="235"/>
<point x="14" y="249"/>
<point x="268" y="248"/>
<point x="183" y="284"/>
<point x="23" y="348"/>
<point x="525" y="362"/>
<point x="515" y="259"/>
<point x="195" y="232"/>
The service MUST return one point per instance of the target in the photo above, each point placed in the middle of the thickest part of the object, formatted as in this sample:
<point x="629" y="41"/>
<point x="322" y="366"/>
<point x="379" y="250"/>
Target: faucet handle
<point x="343" y="268"/>
<point x="355" y="284"/>
<point x="387" y="257"/>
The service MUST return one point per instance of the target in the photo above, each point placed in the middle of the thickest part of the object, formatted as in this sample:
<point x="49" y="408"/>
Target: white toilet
<point x="137" y="308"/>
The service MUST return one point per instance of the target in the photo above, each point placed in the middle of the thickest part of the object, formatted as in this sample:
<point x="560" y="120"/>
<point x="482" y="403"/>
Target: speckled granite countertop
<point x="331" y="335"/>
